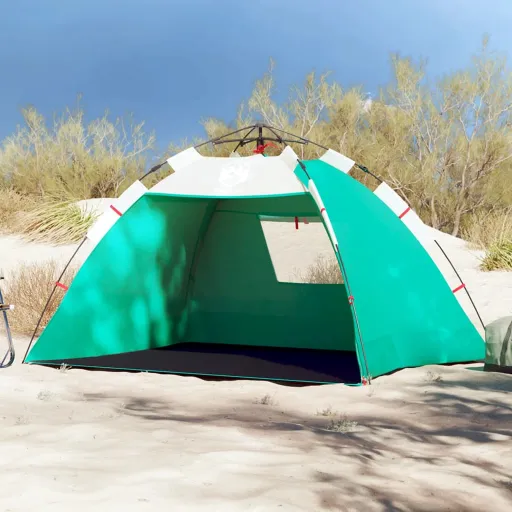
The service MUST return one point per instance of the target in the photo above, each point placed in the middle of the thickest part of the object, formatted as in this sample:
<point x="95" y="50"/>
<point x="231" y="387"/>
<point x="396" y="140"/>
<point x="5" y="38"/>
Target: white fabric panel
<point x="289" y="157"/>
<point x="399" y="207"/>
<point x="232" y="177"/>
<point x="318" y="200"/>
<point x="109" y="216"/>
<point x="184" y="159"/>
<point x="341" y="162"/>
<point x="426" y="236"/>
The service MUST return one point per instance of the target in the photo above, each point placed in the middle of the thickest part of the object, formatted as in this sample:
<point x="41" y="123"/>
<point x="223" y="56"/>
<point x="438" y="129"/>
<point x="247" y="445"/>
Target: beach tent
<point x="498" y="345"/>
<point x="180" y="279"/>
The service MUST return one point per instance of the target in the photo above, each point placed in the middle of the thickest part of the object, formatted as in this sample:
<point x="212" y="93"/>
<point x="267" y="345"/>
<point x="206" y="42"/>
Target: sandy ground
<point x="432" y="438"/>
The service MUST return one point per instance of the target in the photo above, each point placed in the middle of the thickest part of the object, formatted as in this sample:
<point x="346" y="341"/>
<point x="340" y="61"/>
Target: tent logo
<point x="234" y="174"/>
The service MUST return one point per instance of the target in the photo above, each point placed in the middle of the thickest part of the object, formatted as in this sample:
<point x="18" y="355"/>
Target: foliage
<point x="11" y="204"/>
<point x="498" y="256"/>
<point x="72" y="159"/>
<point x="488" y="228"/>
<point x="54" y="221"/>
<point x="325" y="270"/>
<point x="28" y="288"/>
<point x="444" y="145"/>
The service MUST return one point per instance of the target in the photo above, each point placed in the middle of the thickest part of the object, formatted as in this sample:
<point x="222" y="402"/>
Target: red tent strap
<point x="116" y="210"/>
<point x="63" y="286"/>
<point x="455" y="290"/>
<point x="405" y="212"/>
<point x="261" y="148"/>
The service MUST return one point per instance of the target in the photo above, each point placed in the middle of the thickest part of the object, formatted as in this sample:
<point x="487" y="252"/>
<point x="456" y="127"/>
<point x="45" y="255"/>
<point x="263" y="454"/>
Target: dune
<point x="430" y="438"/>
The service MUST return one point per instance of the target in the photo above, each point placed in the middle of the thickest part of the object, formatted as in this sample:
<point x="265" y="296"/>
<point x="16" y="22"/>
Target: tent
<point x="180" y="279"/>
<point x="498" y="345"/>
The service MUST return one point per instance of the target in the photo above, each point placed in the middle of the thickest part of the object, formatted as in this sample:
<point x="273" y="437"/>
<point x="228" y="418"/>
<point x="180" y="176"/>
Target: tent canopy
<point x="181" y="280"/>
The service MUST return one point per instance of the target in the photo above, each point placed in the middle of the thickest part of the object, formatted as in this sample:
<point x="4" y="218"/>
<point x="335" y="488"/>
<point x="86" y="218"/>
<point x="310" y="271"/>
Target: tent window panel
<point x="300" y="250"/>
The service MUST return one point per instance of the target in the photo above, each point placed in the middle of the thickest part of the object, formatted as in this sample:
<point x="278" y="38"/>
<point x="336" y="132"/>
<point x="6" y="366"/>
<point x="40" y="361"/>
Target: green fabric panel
<point x="139" y="288"/>
<point x="292" y="205"/>
<point x="408" y="315"/>
<point x="130" y="294"/>
<point x="238" y="300"/>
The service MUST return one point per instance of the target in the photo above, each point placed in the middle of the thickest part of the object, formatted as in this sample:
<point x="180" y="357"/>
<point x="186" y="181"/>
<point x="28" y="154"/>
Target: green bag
<point x="498" y="345"/>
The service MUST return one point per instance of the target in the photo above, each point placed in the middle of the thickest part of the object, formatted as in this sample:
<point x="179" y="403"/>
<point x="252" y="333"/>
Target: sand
<point x="432" y="438"/>
<point x="424" y="439"/>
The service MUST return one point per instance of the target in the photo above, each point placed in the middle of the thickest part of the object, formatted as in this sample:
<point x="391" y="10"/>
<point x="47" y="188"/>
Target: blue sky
<point x="173" y="63"/>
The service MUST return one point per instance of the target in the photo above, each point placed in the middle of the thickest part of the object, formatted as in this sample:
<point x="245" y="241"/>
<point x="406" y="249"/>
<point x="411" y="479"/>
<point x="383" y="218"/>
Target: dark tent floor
<point x="305" y="365"/>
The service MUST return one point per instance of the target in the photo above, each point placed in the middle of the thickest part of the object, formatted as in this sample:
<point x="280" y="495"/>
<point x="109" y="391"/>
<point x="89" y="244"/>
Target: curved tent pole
<point x="461" y="282"/>
<point x="9" y="356"/>
<point x="50" y="298"/>
<point x="245" y="136"/>
<point x="325" y="216"/>
<point x="246" y="139"/>
<point x="260" y="138"/>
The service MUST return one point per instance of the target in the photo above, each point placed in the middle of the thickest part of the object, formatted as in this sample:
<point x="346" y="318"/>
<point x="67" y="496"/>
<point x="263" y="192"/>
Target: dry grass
<point x="342" y="425"/>
<point x="325" y="270"/>
<point x="11" y="204"/>
<point x="337" y="422"/>
<point x="43" y="220"/>
<point x="487" y="229"/>
<point x="28" y="288"/>
<point x="266" y="400"/>
<point x="73" y="158"/>
<point x="55" y="222"/>
<point x="498" y="257"/>
<point x="493" y="233"/>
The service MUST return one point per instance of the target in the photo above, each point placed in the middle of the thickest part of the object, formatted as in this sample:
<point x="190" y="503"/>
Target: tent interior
<point x="187" y="285"/>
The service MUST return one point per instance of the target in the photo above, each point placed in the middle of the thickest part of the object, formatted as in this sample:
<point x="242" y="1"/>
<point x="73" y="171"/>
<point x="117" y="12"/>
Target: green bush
<point x="498" y="257"/>
<point x="72" y="159"/>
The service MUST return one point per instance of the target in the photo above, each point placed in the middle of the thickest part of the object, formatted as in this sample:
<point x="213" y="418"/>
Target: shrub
<point x="498" y="256"/>
<point x="54" y="222"/>
<point x="72" y="159"/>
<point x="488" y="229"/>
<point x="29" y="287"/>
<point x="325" y="270"/>
<point x="11" y="204"/>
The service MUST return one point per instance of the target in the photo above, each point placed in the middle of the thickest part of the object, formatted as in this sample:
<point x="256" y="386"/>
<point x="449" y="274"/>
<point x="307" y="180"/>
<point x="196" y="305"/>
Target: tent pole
<point x="356" y="318"/>
<point x="50" y="298"/>
<point x="461" y="282"/>
<point x="325" y="217"/>
<point x="240" y="143"/>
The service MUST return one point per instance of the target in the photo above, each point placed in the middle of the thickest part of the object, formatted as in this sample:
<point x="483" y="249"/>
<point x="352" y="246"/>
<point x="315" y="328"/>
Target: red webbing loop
<point x="116" y="210"/>
<point x="459" y="288"/>
<point x="407" y="210"/>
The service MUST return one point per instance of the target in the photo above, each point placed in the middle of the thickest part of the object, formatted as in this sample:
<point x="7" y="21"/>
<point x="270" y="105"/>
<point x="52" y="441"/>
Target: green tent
<point x="180" y="280"/>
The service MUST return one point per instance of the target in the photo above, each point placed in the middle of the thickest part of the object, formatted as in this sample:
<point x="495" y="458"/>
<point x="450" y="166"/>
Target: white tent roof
<point x="239" y="176"/>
